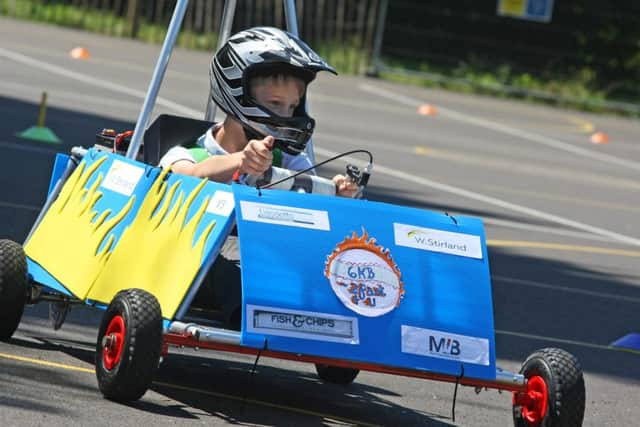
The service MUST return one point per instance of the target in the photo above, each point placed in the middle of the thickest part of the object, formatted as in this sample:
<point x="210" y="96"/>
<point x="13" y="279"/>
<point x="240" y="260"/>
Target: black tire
<point x="336" y="374"/>
<point x="127" y="377"/>
<point x="562" y="375"/>
<point x="13" y="287"/>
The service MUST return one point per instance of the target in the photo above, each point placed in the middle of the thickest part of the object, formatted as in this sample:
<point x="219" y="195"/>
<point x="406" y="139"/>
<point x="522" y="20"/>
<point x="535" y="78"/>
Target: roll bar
<point x="165" y="54"/>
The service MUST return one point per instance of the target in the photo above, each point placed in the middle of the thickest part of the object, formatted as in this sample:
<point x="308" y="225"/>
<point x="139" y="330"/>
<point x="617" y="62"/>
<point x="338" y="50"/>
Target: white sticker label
<point x="429" y="239"/>
<point x="221" y="203"/>
<point x="365" y="281"/>
<point x="445" y="345"/>
<point x="302" y="324"/>
<point x="285" y="215"/>
<point x="122" y="177"/>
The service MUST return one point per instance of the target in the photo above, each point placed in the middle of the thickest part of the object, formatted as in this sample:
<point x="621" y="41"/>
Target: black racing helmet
<point x="260" y="51"/>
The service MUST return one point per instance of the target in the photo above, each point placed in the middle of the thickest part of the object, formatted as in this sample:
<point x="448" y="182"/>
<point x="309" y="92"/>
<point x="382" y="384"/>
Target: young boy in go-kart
<point x="259" y="78"/>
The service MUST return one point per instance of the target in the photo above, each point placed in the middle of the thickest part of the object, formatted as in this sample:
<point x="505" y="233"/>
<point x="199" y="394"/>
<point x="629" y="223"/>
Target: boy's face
<point x="279" y="94"/>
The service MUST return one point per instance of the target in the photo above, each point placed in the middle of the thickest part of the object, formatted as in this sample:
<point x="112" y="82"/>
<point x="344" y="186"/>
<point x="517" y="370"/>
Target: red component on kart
<point x="533" y="401"/>
<point x="180" y="340"/>
<point x="165" y="350"/>
<point x="121" y="137"/>
<point x="113" y="342"/>
<point x="117" y="142"/>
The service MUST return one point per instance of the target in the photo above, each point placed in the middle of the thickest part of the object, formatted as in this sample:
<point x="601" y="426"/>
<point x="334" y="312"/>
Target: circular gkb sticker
<point x="364" y="276"/>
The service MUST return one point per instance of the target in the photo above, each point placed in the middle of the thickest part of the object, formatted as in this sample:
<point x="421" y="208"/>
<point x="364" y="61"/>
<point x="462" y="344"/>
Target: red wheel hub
<point x="113" y="342"/>
<point x="533" y="401"/>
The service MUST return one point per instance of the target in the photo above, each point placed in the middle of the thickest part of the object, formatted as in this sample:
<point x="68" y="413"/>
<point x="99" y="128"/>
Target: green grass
<point x="578" y="90"/>
<point x="98" y="21"/>
<point x="345" y="57"/>
<point x="67" y="16"/>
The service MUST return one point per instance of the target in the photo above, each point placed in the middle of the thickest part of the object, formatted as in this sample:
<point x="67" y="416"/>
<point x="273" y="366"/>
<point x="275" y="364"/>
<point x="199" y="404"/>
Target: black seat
<point x="167" y="131"/>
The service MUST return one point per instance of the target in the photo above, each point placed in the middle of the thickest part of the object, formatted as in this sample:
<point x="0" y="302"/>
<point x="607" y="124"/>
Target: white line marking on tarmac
<point x="18" y="57"/>
<point x="41" y="362"/>
<point x="543" y="229"/>
<point x="549" y="246"/>
<point x="565" y="199"/>
<point x="487" y="124"/>
<point x="537" y="169"/>
<point x="489" y="200"/>
<point x="40" y="149"/>
<point x="491" y="161"/>
<point x="380" y="168"/>
<point x="19" y="206"/>
<point x="110" y="62"/>
<point x="36" y="93"/>
<point x="557" y="340"/>
<point x="549" y="286"/>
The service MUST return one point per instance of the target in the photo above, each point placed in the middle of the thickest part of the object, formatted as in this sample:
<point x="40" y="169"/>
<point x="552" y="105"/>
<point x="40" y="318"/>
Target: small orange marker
<point x="427" y="110"/>
<point x="599" y="138"/>
<point x="79" y="53"/>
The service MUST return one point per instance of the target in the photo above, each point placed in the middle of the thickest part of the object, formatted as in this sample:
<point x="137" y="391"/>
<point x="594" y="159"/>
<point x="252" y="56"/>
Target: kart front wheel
<point x="336" y="374"/>
<point x="555" y="393"/>
<point x="13" y="287"/>
<point x="129" y="345"/>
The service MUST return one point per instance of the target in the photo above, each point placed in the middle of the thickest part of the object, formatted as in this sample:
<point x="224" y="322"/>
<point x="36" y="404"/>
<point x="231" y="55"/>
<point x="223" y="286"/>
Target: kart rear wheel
<point x="336" y="374"/>
<point x="13" y="287"/>
<point x="555" y="393"/>
<point x="129" y="345"/>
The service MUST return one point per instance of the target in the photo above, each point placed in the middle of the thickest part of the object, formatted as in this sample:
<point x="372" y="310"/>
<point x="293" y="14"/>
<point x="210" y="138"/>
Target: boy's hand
<point x="256" y="157"/>
<point x="345" y="186"/>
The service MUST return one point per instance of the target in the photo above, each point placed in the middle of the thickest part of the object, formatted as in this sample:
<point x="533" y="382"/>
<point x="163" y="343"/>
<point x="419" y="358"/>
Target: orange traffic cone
<point x="427" y="110"/>
<point x="599" y="138"/>
<point x="79" y="53"/>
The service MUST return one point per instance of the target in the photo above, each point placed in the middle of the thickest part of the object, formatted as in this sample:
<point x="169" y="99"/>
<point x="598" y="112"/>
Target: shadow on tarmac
<point x="228" y="390"/>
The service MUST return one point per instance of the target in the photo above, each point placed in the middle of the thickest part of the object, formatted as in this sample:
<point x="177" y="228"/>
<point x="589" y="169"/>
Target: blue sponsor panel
<point x="365" y="281"/>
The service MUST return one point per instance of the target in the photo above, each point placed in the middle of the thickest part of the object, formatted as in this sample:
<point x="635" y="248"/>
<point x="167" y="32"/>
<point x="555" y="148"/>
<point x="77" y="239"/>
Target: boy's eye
<point x="281" y="105"/>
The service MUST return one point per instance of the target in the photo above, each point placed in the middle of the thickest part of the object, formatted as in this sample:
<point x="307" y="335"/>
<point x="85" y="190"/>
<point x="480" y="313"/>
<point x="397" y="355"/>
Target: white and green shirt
<point x="206" y="145"/>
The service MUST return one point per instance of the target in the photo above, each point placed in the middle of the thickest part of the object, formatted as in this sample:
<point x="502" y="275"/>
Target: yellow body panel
<point x="156" y="252"/>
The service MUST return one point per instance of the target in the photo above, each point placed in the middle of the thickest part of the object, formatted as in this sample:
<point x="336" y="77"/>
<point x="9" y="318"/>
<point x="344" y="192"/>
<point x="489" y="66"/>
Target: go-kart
<point x="345" y="284"/>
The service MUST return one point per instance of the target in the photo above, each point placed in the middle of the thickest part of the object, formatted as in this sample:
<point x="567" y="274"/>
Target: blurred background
<point x="585" y="53"/>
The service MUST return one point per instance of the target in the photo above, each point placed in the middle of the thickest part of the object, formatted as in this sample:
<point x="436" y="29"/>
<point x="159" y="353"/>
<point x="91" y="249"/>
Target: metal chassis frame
<point x="165" y="55"/>
<point x="505" y="380"/>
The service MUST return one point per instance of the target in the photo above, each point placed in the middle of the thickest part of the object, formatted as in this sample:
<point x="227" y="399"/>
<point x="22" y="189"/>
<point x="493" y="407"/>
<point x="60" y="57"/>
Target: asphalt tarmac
<point x="561" y="218"/>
